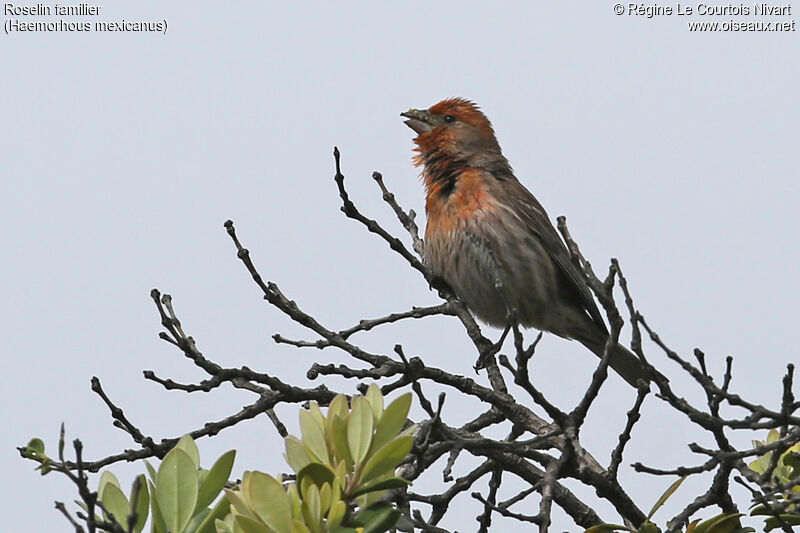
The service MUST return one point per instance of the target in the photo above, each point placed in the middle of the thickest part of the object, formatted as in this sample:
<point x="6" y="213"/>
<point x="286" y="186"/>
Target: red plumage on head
<point x="461" y="108"/>
<point x="442" y="138"/>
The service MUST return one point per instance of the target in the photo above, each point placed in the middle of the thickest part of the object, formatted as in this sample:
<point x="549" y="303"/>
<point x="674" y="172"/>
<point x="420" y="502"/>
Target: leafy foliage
<point x="786" y="476"/>
<point x="722" y="523"/>
<point x="780" y="510"/>
<point x="177" y="496"/>
<point x="344" y="463"/>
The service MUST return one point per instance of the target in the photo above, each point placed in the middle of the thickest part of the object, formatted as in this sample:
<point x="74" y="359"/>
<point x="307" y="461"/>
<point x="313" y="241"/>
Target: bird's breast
<point x="460" y="199"/>
<point x="462" y="248"/>
<point x="480" y="247"/>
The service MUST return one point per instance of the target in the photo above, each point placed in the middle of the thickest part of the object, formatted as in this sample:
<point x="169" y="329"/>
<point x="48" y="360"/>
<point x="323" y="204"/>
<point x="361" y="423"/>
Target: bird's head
<point x="455" y="128"/>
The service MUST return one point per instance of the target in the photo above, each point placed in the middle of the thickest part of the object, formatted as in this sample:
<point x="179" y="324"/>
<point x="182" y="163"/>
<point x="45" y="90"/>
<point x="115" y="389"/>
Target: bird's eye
<point x="449" y="118"/>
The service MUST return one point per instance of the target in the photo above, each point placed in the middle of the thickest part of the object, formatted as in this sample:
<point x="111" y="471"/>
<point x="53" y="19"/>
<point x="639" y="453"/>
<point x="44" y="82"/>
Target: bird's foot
<point x="487" y="355"/>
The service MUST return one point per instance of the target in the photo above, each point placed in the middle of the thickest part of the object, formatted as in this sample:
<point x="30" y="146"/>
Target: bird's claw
<point x="486" y="356"/>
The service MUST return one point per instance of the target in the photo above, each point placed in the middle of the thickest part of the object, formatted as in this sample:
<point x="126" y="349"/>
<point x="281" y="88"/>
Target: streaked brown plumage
<point x="492" y="241"/>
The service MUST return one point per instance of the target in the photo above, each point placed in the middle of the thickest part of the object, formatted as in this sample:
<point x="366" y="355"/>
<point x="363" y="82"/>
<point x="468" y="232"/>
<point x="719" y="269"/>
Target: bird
<point x="489" y="238"/>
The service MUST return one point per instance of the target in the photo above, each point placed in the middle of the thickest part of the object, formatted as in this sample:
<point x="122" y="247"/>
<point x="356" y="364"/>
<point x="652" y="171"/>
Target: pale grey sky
<point x="123" y="153"/>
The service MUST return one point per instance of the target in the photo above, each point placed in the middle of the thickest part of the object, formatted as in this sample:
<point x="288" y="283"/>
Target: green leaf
<point x="238" y="500"/>
<point x="269" y="502"/>
<point x="409" y="431"/>
<point x="35" y="448"/>
<point x="312" y="500"/>
<point x="773" y="523"/>
<point x="761" y="464"/>
<point x="316" y="412"/>
<point x="140" y="502"/>
<point x="196" y="520"/>
<point x="116" y="503"/>
<point x="299" y="527"/>
<point x="215" y="480"/>
<point x="392" y="420"/>
<point x="664" y="497"/>
<point x="721" y="523"/>
<point x="359" y="429"/>
<point x="380" y="485"/>
<point x="339" y="426"/>
<point x="386" y="459"/>
<point x="45" y="467"/>
<point x="62" y="438"/>
<point x="187" y="444"/>
<point x="604" y="528"/>
<point x="226" y="525"/>
<point x="338" y="406"/>
<point x="375" y="401"/>
<point x="341" y="475"/>
<point x="220" y="511"/>
<point x="202" y="474"/>
<point x="319" y="474"/>
<point x="294" y="499"/>
<point x="305" y="485"/>
<point x="760" y="510"/>
<point x="325" y="498"/>
<point x="296" y="454"/>
<point x="150" y="471"/>
<point x="106" y="478"/>
<point x="248" y="525"/>
<point x="368" y="499"/>
<point x="159" y="525"/>
<point x="176" y="489"/>
<point x="791" y="461"/>
<point x="336" y="514"/>
<point x="313" y="436"/>
<point x="377" y="518"/>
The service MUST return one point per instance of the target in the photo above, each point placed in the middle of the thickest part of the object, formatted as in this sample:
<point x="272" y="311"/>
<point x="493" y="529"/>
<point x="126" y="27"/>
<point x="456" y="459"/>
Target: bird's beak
<point x="419" y="121"/>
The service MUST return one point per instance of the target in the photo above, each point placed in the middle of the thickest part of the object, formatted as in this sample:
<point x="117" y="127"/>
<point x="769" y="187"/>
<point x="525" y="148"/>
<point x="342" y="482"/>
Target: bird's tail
<point x="621" y="360"/>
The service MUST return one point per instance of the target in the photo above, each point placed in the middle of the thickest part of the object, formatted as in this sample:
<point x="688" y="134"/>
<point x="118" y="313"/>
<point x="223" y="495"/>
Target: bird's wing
<point x="535" y="218"/>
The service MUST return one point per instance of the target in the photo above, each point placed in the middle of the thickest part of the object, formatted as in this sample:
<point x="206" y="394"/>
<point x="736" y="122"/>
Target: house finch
<point x="490" y="239"/>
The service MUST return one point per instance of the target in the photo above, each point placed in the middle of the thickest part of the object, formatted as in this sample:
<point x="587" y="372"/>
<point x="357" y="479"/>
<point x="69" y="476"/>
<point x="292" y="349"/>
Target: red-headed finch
<point x="490" y="239"/>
